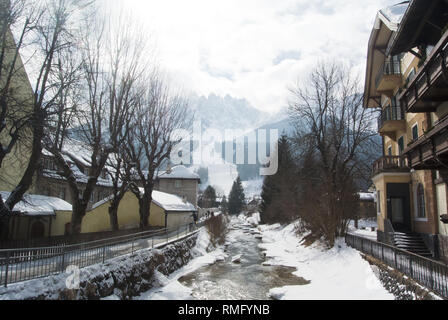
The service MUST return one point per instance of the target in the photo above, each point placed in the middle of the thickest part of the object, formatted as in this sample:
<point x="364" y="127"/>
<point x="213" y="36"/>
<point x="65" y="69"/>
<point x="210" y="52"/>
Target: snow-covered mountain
<point x="227" y="113"/>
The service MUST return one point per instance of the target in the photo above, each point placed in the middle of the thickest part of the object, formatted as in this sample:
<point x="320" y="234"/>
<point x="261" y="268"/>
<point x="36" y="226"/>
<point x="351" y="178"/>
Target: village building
<point x="38" y="216"/>
<point x="181" y="181"/>
<point x="406" y="81"/>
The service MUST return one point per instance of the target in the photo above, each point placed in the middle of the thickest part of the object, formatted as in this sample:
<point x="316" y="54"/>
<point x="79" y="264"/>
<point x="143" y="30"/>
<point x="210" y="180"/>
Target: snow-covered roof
<point x="179" y="172"/>
<point x="166" y="201"/>
<point x="35" y="205"/>
<point x="392" y="16"/>
<point x="366" y="196"/>
<point x="171" y="202"/>
<point x="79" y="152"/>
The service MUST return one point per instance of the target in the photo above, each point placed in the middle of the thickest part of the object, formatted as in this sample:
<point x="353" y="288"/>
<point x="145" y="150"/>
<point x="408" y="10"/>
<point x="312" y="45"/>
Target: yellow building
<point x="20" y="101"/>
<point x="406" y="82"/>
<point x="37" y="217"/>
<point x="167" y="211"/>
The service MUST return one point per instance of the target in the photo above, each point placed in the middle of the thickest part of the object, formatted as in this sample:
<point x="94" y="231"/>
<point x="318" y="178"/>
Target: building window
<point x="389" y="151"/>
<point x="421" y="206"/>
<point x="415" y="132"/>
<point x="62" y="193"/>
<point x="401" y="145"/>
<point x="178" y="183"/>
<point x="378" y="202"/>
<point x="46" y="191"/>
<point x="49" y="164"/>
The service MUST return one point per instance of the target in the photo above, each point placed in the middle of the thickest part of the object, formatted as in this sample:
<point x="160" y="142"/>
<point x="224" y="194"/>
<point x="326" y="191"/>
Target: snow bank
<point x="336" y="274"/>
<point x="254" y="219"/>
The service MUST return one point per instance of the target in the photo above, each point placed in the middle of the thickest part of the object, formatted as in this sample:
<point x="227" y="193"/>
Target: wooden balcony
<point x="391" y="119"/>
<point x="430" y="152"/>
<point x="429" y="88"/>
<point x="390" y="164"/>
<point x="389" y="77"/>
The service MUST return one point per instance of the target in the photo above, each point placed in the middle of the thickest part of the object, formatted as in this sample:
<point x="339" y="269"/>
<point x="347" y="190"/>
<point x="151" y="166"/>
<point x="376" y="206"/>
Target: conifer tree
<point x="209" y="197"/>
<point x="236" y="198"/>
<point x="224" y="205"/>
<point x="279" y="194"/>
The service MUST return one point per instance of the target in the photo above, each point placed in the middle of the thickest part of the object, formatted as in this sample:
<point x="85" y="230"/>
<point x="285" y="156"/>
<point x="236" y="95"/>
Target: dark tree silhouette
<point x="236" y="198"/>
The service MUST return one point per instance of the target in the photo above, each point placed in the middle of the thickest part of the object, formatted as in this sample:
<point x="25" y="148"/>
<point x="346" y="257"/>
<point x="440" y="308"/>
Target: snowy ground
<point x="364" y="229"/>
<point x="171" y="289"/>
<point x="336" y="274"/>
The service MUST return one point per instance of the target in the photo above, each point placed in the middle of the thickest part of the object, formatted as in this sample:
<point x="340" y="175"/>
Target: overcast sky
<point x="253" y="49"/>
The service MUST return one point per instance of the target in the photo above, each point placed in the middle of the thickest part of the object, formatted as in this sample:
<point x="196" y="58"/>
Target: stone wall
<point x="125" y="277"/>
<point x="400" y="285"/>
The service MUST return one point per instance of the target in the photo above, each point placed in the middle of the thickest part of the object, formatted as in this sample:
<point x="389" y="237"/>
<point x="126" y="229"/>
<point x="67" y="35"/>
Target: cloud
<point x="254" y="49"/>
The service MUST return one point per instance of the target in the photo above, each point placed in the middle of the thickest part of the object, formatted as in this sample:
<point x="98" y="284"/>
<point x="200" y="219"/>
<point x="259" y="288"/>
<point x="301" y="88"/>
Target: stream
<point x="244" y="279"/>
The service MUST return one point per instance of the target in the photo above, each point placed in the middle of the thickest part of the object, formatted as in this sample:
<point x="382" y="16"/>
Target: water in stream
<point x="246" y="280"/>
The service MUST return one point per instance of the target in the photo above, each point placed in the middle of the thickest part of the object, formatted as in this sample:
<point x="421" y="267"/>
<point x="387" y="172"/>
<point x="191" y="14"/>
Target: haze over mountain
<point x="229" y="113"/>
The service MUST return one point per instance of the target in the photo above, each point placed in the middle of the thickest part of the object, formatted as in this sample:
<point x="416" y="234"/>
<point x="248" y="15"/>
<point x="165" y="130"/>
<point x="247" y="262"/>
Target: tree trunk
<point x="113" y="215"/>
<point x="145" y="210"/>
<point x="79" y="211"/>
<point x="4" y="223"/>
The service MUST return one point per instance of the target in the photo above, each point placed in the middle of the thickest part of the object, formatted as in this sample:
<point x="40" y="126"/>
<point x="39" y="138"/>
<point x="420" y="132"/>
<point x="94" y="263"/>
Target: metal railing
<point x="429" y="273"/>
<point x="390" y="163"/>
<point x="17" y="265"/>
<point x="393" y="113"/>
<point x="389" y="232"/>
<point x="390" y="67"/>
<point x="56" y="241"/>
<point x="433" y="68"/>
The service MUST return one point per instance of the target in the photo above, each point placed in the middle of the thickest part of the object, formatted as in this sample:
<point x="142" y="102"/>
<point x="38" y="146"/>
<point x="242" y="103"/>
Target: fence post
<point x="410" y="266"/>
<point x="395" y="259"/>
<point x="178" y="230"/>
<point x="153" y="242"/>
<point x="7" y="268"/>
<point x="132" y="250"/>
<point x="432" y="276"/>
<point x="63" y="258"/>
<point x="104" y="253"/>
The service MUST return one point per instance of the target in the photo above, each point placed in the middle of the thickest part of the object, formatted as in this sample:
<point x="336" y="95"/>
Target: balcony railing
<point x="428" y="89"/>
<point x="390" y="164"/>
<point x="393" y="113"/>
<point x="389" y="68"/>
<point x="430" y="151"/>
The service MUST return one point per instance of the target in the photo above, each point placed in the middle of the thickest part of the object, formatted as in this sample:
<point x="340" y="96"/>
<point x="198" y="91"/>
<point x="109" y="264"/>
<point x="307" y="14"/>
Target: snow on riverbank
<point x="336" y="274"/>
<point x="170" y="288"/>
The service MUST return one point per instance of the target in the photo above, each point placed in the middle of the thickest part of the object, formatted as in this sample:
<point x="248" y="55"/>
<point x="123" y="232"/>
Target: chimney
<point x="169" y="169"/>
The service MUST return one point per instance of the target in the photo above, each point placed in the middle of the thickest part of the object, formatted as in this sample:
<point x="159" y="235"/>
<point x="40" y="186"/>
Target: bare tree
<point x="119" y="168"/>
<point x="113" y="61"/>
<point x="333" y="128"/>
<point x="150" y="141"/>
<point x="45" y="26"/>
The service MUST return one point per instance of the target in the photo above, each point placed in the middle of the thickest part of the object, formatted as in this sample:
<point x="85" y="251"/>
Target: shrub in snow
<point x="217" y="227"/>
